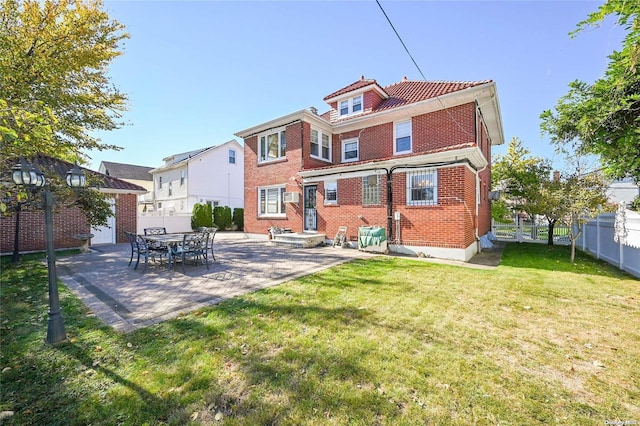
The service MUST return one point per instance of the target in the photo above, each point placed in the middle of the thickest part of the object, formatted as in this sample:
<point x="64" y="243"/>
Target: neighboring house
<point x="412" y="157"/>
<point x="138" y="175"/>
<point x="212" y="175"/>
<point x="623" y="190"/>
<point x="70" y="221"/>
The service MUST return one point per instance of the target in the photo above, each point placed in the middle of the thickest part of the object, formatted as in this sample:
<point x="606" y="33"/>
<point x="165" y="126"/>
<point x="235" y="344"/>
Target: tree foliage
<point x="202" y="215"/>
<point x="603" y="118"/>
<point x="54" y="87"/>
<point x="519" y="176"/>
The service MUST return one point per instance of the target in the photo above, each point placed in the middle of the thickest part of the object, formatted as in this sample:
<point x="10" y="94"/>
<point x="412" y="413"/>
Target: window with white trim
<point x="271" y="201"/>
<point x="350" y="150"/>
<point x="402" y="137"/>
<point x="422" y="187"/>
<point x="182" y="174"/>
<point x="371" y="190"/>
<point x="320" y="144"/>
<point x="170" y="189"/>
<point x="272" y="145"/>
<point x="350" y="106"/>
<point x="232" y="156"/>
<point x="331" y="192"/>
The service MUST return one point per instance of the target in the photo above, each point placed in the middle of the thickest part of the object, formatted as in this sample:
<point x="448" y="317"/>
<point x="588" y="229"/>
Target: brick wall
<point x="279" y="172"/>
<point x="67" y="222"/>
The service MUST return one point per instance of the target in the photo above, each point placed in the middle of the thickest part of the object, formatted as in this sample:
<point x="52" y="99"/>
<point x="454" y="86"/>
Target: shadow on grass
<point x="556" y="258"/>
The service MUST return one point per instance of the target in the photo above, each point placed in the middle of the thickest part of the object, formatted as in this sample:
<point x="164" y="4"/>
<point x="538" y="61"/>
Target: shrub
<point x="635" y="204"/>
<point x="222" y="217"/>
<point x="238" y="218"/>
<point x="201" y="216"/>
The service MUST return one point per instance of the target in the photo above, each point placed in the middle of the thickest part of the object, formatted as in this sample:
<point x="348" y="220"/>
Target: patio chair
<point x="154" y="245"/>
<point x="212" y="234"/>
<point x="131" y="237"/>
<point x="193" y="246"/>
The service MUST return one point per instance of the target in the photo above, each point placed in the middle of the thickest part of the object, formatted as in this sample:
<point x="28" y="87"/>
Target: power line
<point x="400" y="38"/>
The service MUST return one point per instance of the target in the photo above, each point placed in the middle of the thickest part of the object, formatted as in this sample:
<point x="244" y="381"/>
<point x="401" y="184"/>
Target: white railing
<point x="522" y="231"/>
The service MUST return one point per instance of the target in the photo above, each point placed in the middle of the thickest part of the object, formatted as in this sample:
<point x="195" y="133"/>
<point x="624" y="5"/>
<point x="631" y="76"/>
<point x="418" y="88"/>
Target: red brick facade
<point x="67" y="222"/>
<point x="454" y="222"/>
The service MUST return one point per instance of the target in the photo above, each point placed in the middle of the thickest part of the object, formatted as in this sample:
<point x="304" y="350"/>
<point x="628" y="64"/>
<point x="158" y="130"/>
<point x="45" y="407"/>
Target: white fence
<point x="523" y="231"/>
<point x="173" y="223"/>
<point x="615" y="238"/>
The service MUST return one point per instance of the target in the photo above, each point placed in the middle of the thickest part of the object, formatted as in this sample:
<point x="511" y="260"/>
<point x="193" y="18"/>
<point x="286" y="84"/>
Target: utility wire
<point x="400" y="38"/>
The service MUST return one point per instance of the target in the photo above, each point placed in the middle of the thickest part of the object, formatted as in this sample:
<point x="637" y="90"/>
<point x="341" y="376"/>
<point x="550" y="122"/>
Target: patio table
<point x="169" y="240"/>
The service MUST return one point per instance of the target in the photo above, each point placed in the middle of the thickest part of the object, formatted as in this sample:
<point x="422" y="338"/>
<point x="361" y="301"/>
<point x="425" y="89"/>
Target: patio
<point x="128" y="299"/>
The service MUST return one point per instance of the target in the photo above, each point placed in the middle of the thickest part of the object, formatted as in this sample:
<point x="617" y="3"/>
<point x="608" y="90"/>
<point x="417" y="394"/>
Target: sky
<point x="198" y="72"/>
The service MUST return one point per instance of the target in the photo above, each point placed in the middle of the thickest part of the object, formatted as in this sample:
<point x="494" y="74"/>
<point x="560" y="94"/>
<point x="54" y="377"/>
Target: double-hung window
<point x="272" y="145"/>
<point x="271" y="201"/>
<point x="402" y="137"/>
<point x="371" y="190"/>
<point x="350" y="150"/>
<point x="182" y="175"/>
<point x="350" y="106"/>
<point x="232" y="156"/>
<point x="331" y="192"/>
<point x="320" y="144"/>
<point x="422" y="187"/>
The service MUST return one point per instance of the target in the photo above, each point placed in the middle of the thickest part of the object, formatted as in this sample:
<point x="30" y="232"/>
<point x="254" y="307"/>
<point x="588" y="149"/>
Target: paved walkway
<point x="127" y="300"/>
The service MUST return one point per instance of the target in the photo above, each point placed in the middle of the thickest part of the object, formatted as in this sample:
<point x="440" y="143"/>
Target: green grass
<point x="381" y="341"/>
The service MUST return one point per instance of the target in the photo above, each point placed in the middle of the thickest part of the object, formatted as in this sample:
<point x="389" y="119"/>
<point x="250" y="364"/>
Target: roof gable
<point x="125" y="171"/>
<point x="60" y="168"/>
<point x="359" y="85"/>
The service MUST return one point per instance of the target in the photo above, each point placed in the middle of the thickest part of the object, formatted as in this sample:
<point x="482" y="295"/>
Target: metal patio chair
<point x="193" y="246"/>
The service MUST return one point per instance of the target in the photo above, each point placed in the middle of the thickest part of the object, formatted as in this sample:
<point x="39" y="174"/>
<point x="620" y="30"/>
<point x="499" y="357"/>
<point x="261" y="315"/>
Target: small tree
<point x="582" y="196"/>
<point x="222" y="217"/>
<point x="238" y="218"/>
<point x="201" y="216"/>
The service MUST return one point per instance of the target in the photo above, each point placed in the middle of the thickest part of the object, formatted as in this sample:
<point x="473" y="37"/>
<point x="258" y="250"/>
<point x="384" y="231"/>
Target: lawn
<point x="387" y="340"/>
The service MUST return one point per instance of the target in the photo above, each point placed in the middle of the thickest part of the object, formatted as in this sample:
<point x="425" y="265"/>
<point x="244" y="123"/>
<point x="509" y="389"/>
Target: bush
<point x="635" y="204"/>
<point x="222" y="217"/>
<point x="238" y="218"/>
<point x="201" y="216"/>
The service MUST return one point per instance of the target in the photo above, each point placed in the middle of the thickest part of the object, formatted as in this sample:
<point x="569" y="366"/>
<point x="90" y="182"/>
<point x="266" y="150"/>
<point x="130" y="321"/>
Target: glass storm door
<point x="310" y="212"/>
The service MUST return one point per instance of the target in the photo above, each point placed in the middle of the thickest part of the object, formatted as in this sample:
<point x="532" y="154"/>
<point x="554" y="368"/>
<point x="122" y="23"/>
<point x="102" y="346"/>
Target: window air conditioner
<point x="291" y="197"/>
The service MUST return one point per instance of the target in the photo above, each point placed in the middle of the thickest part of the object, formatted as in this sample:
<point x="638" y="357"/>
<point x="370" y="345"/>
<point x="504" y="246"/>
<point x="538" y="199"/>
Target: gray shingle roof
<point x="126" y="171"/>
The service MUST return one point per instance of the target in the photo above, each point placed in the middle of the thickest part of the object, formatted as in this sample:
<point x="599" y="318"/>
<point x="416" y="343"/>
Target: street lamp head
<point x="75" y="177"/>
<point x="24" y="174"/>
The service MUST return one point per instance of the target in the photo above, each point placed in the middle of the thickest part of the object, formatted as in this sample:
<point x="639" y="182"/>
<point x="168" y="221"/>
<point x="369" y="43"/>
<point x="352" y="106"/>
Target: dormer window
<point x="350" y="106"/>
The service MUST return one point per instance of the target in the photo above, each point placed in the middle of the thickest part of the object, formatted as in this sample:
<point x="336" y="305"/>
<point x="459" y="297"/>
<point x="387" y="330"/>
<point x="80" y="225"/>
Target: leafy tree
<point x="54" y="88"/>
<point x="603" y="118"/>
<point x="582" y="196"/>
<point x="519" y="177"/>
<point x="222" y="217"/>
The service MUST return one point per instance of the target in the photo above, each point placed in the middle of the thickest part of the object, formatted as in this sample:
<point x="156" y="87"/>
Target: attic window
<point x="350" y="106"/>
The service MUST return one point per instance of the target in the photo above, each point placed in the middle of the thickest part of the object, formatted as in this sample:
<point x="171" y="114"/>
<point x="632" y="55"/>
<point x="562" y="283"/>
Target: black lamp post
<point x="23" y="174"/>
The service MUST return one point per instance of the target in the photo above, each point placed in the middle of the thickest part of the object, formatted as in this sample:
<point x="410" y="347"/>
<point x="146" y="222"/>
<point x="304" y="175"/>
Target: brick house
<point x="69" y="221"/>
<point x="412" y="157"/>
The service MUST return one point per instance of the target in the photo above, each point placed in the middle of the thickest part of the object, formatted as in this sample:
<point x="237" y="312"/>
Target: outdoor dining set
<point x="157" y="244"/>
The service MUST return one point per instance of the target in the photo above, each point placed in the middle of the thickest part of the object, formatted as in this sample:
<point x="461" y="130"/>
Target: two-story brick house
<point x="412" y="157"/>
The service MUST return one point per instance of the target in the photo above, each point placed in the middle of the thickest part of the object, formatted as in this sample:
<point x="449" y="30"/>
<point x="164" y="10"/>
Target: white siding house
<point x="212" y="175"/>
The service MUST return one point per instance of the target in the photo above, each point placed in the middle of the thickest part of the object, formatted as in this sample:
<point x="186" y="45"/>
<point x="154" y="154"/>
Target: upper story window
<point x="170" y="189"/>
<point x="402" y="137"/>
<point x="350" y="150"/>
<point x="160" y="182"/>
<point x="182" y="174"/>
<point x="331" y="192"/>
<point x="320" y="144"/>
<point x="232" y="156"/>
<point x="271" y="201"/>
<point x="422" y="187"/>
<point x="350" y="106"/>
<point x="272" y="145"/>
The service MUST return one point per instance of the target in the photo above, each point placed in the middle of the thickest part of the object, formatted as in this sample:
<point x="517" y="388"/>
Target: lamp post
<point x="23" y="174"/>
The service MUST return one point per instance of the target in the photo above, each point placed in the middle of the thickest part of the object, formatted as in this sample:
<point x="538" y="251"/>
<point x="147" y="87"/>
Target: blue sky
<point x="197" y="72"/>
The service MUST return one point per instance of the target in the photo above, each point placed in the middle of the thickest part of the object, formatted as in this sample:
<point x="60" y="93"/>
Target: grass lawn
<point x="381" y="341"/>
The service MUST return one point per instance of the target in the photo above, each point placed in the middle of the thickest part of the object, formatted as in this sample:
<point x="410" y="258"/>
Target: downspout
<point x="390" y="204"/>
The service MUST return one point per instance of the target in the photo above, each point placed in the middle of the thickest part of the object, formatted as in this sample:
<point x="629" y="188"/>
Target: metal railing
<point x="523" y="231"/>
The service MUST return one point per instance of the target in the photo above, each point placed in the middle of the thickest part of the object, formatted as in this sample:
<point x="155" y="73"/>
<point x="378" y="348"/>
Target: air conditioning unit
<point x="291" y="197"/>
